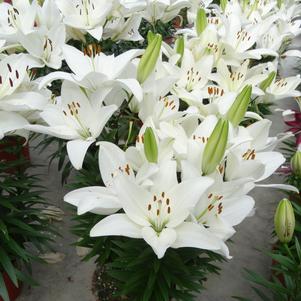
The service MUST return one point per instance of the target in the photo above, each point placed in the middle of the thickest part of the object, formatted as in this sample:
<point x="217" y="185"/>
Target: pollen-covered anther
<point x="249" y="155"/>
<point x="213" y="20"/>
<point x="92" y="50"/>
<point x="210" y="207"/>
<point x="221" y="169"/>
<point x="281" y="83"/>
<point x="127" y="169"/>
<point x="215" y="91"/>
<point x="140" y="139"/>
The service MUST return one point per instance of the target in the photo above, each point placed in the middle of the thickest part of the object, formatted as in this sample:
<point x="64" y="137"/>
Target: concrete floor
<point x="70" y="280"/>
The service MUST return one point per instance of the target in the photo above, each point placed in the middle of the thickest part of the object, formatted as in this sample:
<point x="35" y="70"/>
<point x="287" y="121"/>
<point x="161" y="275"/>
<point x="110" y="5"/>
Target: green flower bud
<point x="215" y="147"/>
<point x="279" y="3"/>
<point x="180" y="46"/>
<point x="268" y="81"/>
<point x="149" y="58"/>
<point x="150" y="36"/>
<point x="284" y="221"/>
<point x="150" y="146"/>
<point x="223" y="4"/>
<point x="296" y="163"/>
<point x="239" y="108"/>
<point x="201" y="21"/>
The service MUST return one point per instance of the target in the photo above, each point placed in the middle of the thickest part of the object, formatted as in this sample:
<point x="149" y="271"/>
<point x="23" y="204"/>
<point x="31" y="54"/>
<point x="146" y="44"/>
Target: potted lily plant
<point x="21" y="222"/>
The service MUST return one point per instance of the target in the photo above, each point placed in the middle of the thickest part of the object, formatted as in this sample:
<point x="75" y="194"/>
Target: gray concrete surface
<point x="70" y="280"/>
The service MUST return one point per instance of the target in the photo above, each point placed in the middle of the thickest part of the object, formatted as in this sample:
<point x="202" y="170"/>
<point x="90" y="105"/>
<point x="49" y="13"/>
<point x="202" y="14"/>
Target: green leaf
<point x="261" y="294"/>
<point x="241" y="298"/>
<point x="256" y="278"/>
<point x="298" y="249"/>
<point x="3" y="290"/>
<point x="285" y="261"/>
<point x="8" y="267"/>
<point x="3" y="229"/>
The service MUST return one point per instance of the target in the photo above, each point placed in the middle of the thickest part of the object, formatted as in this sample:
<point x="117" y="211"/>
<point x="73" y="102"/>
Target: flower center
<point x="214" y="207"/>
<point x="9" y="80"/>
<point x="48" y="49"/>
<point x="13" y="18"/>
<point x="73" y="113"/>
<point x="192" y="78"/>
<point x="159" y="210"/>
<point x="85" y="8"/>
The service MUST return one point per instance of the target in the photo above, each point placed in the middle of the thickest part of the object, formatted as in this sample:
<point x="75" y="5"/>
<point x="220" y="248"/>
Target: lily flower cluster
<point x="201" y="146"/>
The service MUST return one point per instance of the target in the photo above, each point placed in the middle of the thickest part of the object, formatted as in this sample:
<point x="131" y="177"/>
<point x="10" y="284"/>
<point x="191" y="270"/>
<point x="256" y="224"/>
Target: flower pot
<point x="9" y="156"/>
<point x="12" y="290"/>
<point x="103" y="287"/>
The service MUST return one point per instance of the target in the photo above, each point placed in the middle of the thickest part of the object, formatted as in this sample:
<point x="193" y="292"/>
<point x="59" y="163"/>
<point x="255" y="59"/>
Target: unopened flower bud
<point x="150" y="36"/>
<point x="268" y="81"/>
<point x="215" y="147"/>
<point x="150" y="146"/>
<point x="149" y="59"/>
<point x="223" y="4"/>
<point x="284" y="221"/>
<point x="180" y="47"/>
<point x="239" y="108"/>
<point x="201" y="21"/>
<point x="296" y="163"/>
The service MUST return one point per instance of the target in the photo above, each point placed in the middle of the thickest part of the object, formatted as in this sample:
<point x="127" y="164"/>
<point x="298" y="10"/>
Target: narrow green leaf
<point x="8" y="266"/>
<point x="3" y="290"/>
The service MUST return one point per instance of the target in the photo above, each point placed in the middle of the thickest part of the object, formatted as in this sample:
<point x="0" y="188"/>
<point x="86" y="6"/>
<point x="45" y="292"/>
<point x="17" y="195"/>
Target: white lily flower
<point x="158" y="216"/>
<point x="77" y="119"/>
<point x="193" y="77"/>
<point x="272" y="39"/>
<point x="238" y="41"/>
<point x="94" y="70"/>
<point x="11" y="122"/>
<point x="104" y="200"/>
<point x="48" y="15"/>
<point x="18" y="17"/>
<point x="13" y="94"/>
<point x="195" y="5"/>
<point x="236" y="79"/>
<point x="164" y="10"/>
<point x="86" y="15"/>
<point x="162" y="109"/>
<point x="223" y="206"/>
<point x="254" y="159"/>
<point x="46" y="46"/>
<point x="120" y="28"/>
<point x="285" y="87"/>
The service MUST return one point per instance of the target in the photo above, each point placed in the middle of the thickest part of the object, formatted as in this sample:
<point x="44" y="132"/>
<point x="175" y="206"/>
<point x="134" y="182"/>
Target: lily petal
<point x="195" y="236"/>
<point x="159" y="243"/>
<point x="96" y="199"/>
<point x="77" y="150"/>
<point x="116" y="225"/>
